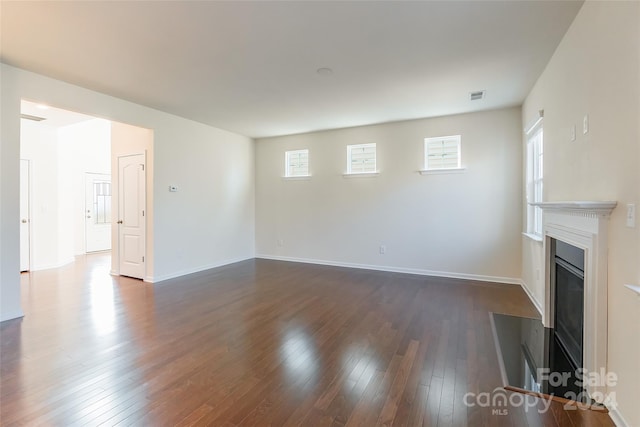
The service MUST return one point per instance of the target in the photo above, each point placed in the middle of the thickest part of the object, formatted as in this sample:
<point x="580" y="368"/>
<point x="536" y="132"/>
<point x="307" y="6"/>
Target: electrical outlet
<point x="383" y="249"/>
<point x="173" y="188"/>
<point x="280" y="242"/>
<point x="572" y="133"/>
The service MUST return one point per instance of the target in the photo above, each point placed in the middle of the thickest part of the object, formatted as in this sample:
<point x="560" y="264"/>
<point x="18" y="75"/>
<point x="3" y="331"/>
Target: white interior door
<point x="25" y="217"/>
<point x="97" y="212"/>
<point x="131" y="215"/>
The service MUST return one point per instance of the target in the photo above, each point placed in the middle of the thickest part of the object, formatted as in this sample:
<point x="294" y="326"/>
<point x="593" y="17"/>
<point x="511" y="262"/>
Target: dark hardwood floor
<point x="261" y="343"/>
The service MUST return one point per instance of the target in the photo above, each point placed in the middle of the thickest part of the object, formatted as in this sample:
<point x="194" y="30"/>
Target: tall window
<point x="296" y="163"/>
<point x="534" y="177"/>
<point x="361" y="158"/>
<point x="442" y="153"/>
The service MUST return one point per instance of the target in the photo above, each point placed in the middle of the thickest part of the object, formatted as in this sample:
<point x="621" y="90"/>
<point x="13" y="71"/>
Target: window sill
<point x="441" y="171"/>
<point x="534" y="237"/>
<point x="297" y="178"/>
<point x="360" y="175"/>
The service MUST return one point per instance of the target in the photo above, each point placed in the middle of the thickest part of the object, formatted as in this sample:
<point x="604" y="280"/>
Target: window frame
<point x="288" y="154"/>
<point x="430" y="140"/>
<point x="351" y="148"/>
<point x="534" y="177"/>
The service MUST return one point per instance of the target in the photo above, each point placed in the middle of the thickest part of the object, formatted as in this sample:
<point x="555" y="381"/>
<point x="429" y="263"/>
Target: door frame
<point x="29" y="205"/>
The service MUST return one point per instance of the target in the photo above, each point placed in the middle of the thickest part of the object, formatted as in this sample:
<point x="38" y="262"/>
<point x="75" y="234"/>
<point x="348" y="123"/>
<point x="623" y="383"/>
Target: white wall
<point x="596" y="71"/>
<point x="461" y="225"/>
<point x="209" y="222"/>
<point x="40" y="147"/>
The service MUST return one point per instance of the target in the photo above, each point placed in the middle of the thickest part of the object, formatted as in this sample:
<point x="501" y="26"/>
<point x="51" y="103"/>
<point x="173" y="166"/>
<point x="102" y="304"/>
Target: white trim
<point x="533" y="300"/>
<point x="297" y="178"/>
<point x="534" y="237"/>
<point x="585" y="208"/>
<point x="442" y="171"/>
<point x="416" y="271"/>
<point x="585" y="226"/>
<point x="360" y="174"/>
<point x="152" y="279"/>
<point x="614" y="413"/>
<point x="534" y="124"/>
<point x="634" y="288"/>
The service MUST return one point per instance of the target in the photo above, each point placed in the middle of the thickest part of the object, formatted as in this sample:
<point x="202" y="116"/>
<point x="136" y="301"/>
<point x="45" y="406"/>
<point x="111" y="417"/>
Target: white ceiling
<point x="250" y="67"/>
<point x="52" y="117"/>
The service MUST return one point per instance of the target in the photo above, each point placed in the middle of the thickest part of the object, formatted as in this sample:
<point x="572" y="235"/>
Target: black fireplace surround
<point x="566" y="346"/>
<point x="569" y="300"/>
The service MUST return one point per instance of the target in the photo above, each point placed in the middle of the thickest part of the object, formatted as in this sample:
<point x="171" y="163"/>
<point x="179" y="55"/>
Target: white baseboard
<point x="615" y="414"/>
<point x="417" y="271"/>
<point x="534" y="301"/>
<point x="156" y="279"/>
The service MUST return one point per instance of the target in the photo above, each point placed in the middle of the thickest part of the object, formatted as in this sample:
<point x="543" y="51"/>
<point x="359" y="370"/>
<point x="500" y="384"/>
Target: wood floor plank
<point x="259" y="343"/>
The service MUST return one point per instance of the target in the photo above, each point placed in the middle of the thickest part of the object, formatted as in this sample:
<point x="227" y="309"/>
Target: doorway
<point x="69" y="197"/>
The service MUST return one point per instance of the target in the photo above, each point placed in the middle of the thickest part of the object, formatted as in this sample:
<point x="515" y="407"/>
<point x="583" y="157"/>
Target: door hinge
<point x="142" y="166"/>
<point x="142" y="213"/>
<point x="142" y="259"/>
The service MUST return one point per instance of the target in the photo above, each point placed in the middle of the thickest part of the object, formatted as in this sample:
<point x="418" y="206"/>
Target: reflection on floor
<point x="262" y="343"/>
<point x="533" y="359"/>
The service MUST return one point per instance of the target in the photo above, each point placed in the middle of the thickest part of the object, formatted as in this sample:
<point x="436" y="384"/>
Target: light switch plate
<point x="631" y="215"/>
<point x="572" y="134"/>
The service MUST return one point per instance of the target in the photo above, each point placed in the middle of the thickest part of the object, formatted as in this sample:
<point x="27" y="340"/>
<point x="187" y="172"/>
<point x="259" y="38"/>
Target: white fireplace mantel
<point x="583" y="224"/>
<point x="588" y="208"/>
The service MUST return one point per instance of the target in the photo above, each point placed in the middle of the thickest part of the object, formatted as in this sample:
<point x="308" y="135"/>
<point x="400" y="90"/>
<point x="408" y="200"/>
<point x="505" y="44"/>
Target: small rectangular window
<point x="361" y="158"/>
<point x="296" y="163"/>
<point x="442" y="153"/>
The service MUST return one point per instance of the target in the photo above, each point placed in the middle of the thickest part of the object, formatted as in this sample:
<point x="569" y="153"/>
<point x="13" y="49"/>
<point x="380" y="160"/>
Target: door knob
<point x="24" y="221"/>
<point x="88" y="216"/>
<point x="120" y="222"/>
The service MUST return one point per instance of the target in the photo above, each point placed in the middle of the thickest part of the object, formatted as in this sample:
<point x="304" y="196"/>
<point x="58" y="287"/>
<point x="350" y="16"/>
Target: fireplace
<point x="578" y="231"/>
<point x="569" y="301"/>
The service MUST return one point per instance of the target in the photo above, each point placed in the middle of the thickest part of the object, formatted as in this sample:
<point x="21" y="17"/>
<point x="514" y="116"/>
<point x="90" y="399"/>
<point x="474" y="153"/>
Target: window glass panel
<point x="361" y="158"/>
<point x="297" y="163"/>
<point x="102" y="202"/>
<point x="535" y="178"/>
<point x="442" y="152"/>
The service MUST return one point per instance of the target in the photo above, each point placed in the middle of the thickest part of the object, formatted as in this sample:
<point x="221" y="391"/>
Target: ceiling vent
<point x="474" y="96"/>
<point x="30" y="117"/>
